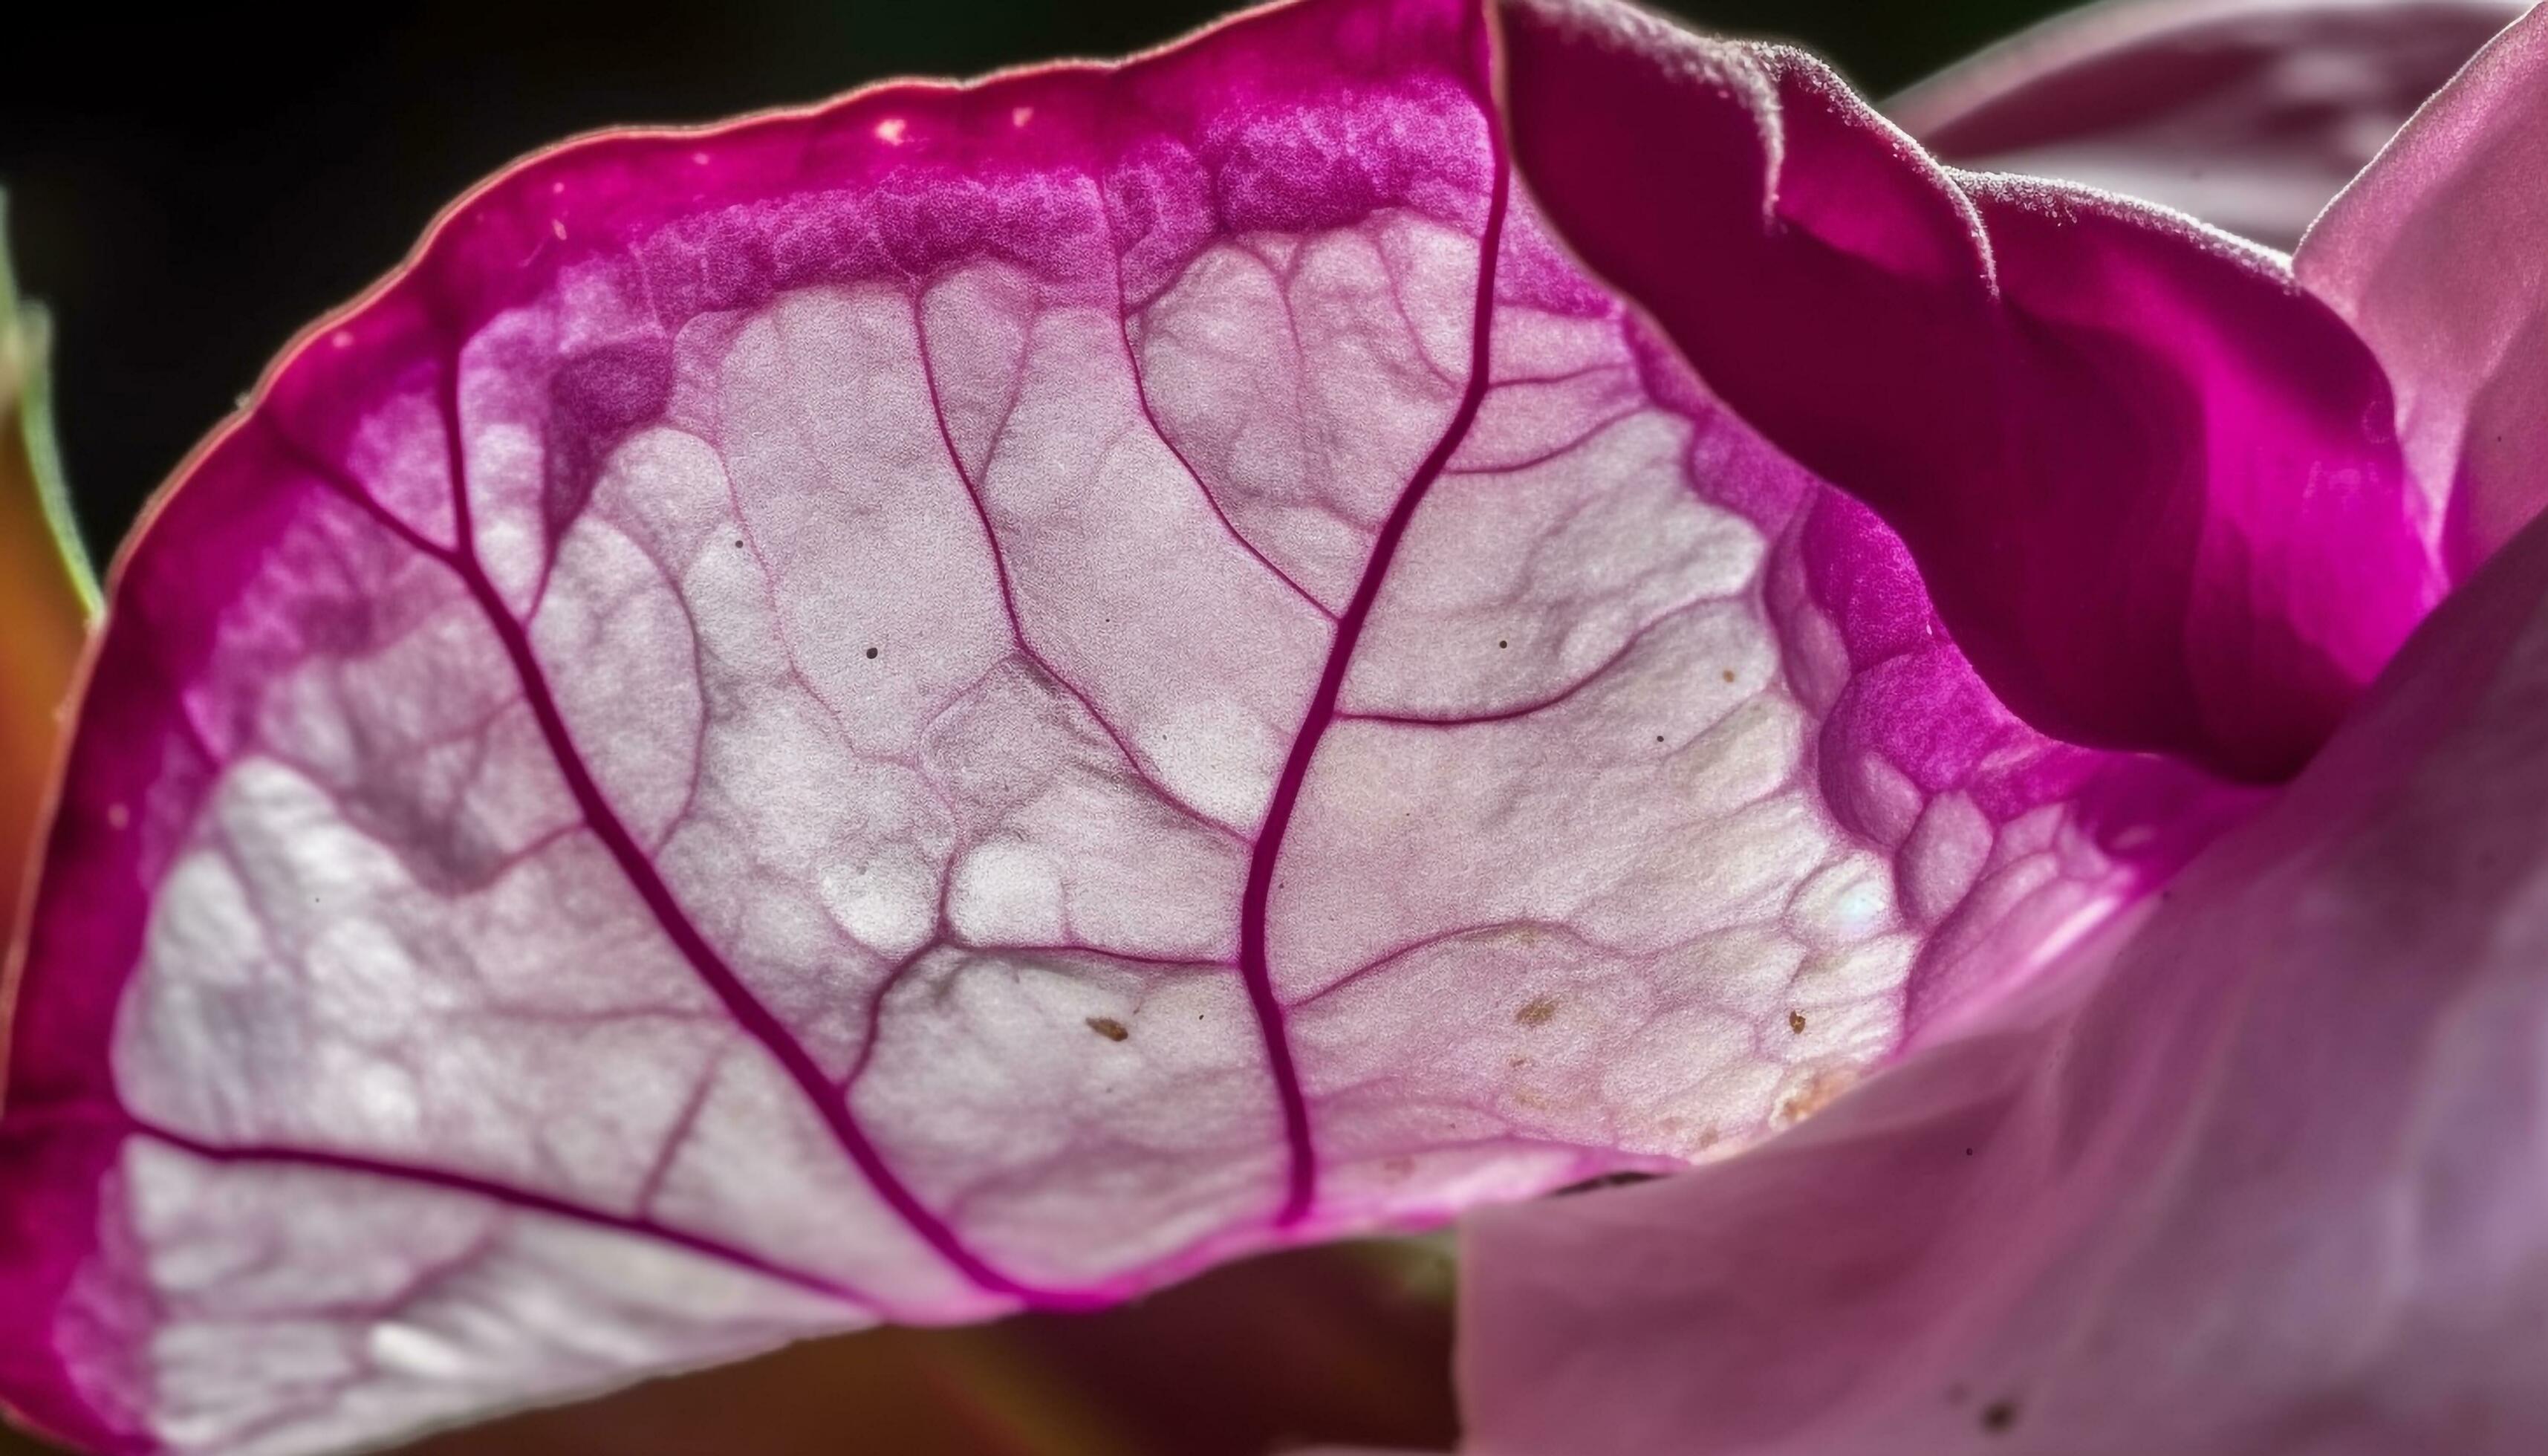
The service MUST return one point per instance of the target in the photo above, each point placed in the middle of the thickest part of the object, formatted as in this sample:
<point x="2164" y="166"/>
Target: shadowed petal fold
<point x="2154" y="488"/>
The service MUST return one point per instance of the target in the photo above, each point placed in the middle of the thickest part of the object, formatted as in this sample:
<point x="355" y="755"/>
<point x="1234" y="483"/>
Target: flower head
<point x="979" y="697"/>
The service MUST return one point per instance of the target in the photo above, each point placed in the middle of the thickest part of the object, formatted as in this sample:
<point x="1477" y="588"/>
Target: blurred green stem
<point x="33" y="459"/>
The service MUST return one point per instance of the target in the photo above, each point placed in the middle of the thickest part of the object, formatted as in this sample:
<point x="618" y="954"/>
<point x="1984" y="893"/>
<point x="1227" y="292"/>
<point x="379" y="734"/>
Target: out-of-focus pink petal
<point x="2264" y="1170"/>
<point x="2439" y="255"/>
<point x="976" y="698"/>
<point x="2152" y="485"/>
<point x="2248" y="114"/>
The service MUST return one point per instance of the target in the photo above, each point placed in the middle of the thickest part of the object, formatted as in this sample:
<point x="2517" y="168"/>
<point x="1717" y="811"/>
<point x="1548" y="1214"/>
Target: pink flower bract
<point x="2257" y="1172"/>
<point x="2255" y="1168"/>
<point x="2248" y="114"/>
<point x="2430" y="255"/>
<point x="982" y="696"/>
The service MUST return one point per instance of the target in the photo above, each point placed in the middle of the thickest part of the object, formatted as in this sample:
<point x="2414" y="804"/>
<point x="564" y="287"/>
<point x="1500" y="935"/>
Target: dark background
<point x="187" y="192"/>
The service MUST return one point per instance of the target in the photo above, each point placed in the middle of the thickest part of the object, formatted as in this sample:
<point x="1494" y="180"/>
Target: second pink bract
<point x="982" y="697"/>
<point x="2255" y="1169"/>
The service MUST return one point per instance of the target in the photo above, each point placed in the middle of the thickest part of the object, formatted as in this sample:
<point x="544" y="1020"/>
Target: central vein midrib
<point x="1301" y="1184"/>
<point x="1255" y="970"/>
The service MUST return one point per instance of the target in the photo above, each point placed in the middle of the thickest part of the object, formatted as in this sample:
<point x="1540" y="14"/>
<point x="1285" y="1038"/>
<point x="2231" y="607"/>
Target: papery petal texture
<point x="974" y="698"/>
<point x="2261" y="1171"/>
<point x="2434" y="255"/>
<point x="2130" y="457"/>
<point x="2248" y="114"/>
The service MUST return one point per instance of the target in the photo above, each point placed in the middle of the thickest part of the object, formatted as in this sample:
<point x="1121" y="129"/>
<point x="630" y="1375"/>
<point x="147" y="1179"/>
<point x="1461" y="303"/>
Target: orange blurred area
<point x="1345" y="1345"/>
<point x="44" y="611"/>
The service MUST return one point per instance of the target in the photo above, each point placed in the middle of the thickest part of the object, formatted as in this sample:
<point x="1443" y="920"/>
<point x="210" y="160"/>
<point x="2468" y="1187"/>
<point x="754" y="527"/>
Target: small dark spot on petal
<point x="1968" y="1152"/>
<point x="1729" y="674"/>
<point x="1108" y="1028"/>
<point x="1659" y="738"/>
<point x="1999" y="1416"/>
<point x="1501" y="642"/>
<point x="738" y="544"/>
<point x="1536" y="1012"/>
<point x="1797" y="1022"/>
<point x="1605" y="1180"/>
<point x="872" y="652"/>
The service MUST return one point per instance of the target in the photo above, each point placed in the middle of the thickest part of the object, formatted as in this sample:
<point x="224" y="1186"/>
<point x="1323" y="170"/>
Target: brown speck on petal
<point x="1999" y="1416"/>
<point x="1797" y="1022"/>
<point x="1814" y="1092"/>
<point x="1536" y="1012"/>
<point x="1108" y="1028"/>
